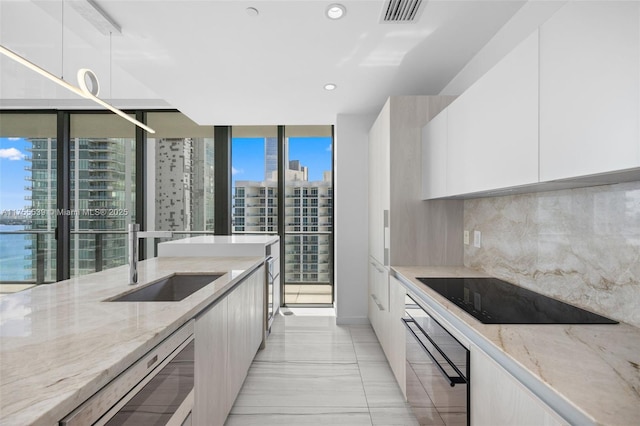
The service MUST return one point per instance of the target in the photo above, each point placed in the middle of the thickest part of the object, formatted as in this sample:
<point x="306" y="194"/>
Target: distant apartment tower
<point x="101" y="196"/>
<point x="41" y="185"/>
<point x="184" y="184"/>
<point x="308" y="225"/>
<point x="270" y="159"/>
<point x="308" y="222"/>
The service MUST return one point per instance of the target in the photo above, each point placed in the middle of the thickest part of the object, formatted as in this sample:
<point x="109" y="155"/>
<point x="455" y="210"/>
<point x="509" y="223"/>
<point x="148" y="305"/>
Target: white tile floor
<point x="314" y="372"/>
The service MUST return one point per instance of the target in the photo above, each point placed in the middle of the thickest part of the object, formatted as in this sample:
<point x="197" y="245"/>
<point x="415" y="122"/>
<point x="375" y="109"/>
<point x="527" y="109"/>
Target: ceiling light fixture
<point x="336" y="11"/>
<point x="90" y="11"/>
<point x="83" y="90"/>
<point x="330" y="86"/>
<point x="252" y="11"/>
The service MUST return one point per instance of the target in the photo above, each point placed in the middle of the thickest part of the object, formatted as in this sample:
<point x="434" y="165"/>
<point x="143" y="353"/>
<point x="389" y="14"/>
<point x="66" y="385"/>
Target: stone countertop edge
<point x="60" y="343"/>
<point x="608" y="394"/>
<point x="259" y="239"/>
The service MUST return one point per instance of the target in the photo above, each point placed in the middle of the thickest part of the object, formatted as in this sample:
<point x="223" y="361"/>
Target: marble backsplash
<point x="581" y="246"/>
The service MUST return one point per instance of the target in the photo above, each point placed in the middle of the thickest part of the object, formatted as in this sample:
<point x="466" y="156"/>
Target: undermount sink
<point x="169" y="289"/>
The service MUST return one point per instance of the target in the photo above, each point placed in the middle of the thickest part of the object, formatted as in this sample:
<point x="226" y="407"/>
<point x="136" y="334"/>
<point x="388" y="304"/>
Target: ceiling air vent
<point x="401" y="11"/>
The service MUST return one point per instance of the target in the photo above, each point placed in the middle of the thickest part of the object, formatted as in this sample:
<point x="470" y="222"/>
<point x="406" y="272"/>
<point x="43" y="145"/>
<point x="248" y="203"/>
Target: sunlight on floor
<point x="311" y="312"/>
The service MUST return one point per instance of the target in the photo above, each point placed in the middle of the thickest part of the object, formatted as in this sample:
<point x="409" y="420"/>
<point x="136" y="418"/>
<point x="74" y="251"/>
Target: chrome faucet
<point x="134" y="235"/>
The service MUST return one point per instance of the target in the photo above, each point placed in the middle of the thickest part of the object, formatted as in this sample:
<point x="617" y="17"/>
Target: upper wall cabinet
<point x="492" y="129"/>
<point x="589" y="89"/>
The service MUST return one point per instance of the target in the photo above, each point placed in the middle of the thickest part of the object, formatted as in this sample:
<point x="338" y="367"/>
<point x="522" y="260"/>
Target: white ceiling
<point x="218" y="65"/>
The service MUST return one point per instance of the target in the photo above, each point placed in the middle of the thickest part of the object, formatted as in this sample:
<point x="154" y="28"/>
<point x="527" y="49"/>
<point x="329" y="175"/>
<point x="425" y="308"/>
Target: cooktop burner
<point x="493" y="301"/>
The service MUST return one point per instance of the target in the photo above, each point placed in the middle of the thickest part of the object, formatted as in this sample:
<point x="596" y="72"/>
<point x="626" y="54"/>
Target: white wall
<point x="519" y="27"/>
<point x="351" y="219"/>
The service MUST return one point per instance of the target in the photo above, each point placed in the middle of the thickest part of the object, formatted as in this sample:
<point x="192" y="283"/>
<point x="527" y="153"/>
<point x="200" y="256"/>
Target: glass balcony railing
<point x="306" y="281"/>
<point x="28" y="257"/>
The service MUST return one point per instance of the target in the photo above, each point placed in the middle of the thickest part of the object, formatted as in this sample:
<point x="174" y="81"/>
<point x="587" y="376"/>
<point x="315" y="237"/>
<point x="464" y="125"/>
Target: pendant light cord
<point x="62" y="39"/>
<point x="110" y="65"/>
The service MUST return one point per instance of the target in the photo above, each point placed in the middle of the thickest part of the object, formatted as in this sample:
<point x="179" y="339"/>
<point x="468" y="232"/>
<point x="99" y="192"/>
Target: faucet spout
<point x="134" y="235"/>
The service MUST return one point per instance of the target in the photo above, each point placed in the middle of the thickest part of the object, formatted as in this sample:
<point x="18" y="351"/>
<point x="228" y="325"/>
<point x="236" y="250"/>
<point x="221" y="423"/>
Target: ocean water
<point x="13" y="265"/>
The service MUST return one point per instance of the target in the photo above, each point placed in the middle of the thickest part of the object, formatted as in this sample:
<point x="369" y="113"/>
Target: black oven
<point x="437" y="370"/>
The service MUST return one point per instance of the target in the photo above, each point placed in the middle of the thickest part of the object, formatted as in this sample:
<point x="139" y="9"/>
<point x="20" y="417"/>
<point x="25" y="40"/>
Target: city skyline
<point x="184" y="185"/>
<point x="247" y="163"/>
<point x="248" y="157"/>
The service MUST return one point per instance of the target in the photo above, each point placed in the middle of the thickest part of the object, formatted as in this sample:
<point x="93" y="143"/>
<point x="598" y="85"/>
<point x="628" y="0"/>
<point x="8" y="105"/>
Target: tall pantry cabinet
<point x="403" y="229"/>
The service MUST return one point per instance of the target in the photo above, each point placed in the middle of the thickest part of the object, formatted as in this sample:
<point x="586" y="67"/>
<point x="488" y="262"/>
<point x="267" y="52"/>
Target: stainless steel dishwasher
<point x="155" y="390"/>
<point x="437" y="370"/>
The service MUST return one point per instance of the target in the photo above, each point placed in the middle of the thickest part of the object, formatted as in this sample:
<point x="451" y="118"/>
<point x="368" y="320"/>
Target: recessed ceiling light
<point x="330" y="86"/>
<point x="336" y="11"/>
<point x="252" y="11"/>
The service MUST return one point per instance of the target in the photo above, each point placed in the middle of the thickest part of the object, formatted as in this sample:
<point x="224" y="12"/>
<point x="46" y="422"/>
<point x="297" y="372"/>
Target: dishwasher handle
<point x="452" y="380"/>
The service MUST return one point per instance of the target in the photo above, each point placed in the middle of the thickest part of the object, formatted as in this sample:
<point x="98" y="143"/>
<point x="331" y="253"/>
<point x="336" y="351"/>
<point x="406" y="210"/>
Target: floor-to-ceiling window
<point x="254" y="155"/>
<point x="303" y="173"/>
<point x="308" y="228"/>
<point x="27" y="199"/>
<point x="272" y="166"/>
<point x="102" y="192"/>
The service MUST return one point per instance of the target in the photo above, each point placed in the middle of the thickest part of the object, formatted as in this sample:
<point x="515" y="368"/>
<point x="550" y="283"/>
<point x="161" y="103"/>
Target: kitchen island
<point x="219" y="245"/>
<point x="588" y="374"/>
<point x="60" y="343"/>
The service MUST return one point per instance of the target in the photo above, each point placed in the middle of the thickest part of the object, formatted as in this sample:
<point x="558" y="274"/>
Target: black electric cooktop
<point x="493" y="301"/>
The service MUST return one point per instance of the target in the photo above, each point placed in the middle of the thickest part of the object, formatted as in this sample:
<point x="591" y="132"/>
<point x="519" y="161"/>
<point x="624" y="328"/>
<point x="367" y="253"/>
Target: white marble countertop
<point x="218" y="245"/>
<point x="226" y="239"/>
<point x="590" y="374"/>
<point x="60" y="343"/>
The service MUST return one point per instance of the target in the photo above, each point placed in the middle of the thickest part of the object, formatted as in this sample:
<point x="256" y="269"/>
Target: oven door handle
<point x="452" y="380"/>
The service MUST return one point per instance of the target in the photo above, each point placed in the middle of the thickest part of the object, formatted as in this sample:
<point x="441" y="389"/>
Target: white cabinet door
<point x="589" y="89"/>
<point x="379" y="167"/>
<point x="210" y="391"/>
<point x="498" y="399"/>
<point x="434" y="157"/>
<point x="493" y="126"/>
<point x="378" y="299"/>
<point x="395" y="349"/>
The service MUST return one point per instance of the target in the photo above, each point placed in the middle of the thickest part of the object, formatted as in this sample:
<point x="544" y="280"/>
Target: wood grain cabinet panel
<point x="227" y="337"/>
<point x="434" y="157"/>
<point x="210" y="391"/>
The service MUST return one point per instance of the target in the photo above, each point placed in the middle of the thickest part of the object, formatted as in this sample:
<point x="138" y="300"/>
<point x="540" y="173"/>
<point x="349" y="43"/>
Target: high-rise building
<point x="308" y="213"/>
<point x="270" y="159"/>
<point x="308" y="225"/>
<point x="102" y="198"/>
<point x="184" y="184"/>
<point x="102" y="195"/>
<point x="41" y="185"/>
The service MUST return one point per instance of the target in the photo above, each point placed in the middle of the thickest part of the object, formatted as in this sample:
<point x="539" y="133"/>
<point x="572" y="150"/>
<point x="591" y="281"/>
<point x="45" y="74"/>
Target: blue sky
<point x="12" y="173"/>
<point x="248" y="156"/>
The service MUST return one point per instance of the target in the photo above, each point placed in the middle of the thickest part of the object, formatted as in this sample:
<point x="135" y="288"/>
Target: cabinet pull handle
<point x="452" y="380"/>
<point x="376" y="266"/>
<point x="378" y="304"/>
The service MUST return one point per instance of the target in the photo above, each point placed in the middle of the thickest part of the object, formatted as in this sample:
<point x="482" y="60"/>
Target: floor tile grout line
<point x="361" y="379"/>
